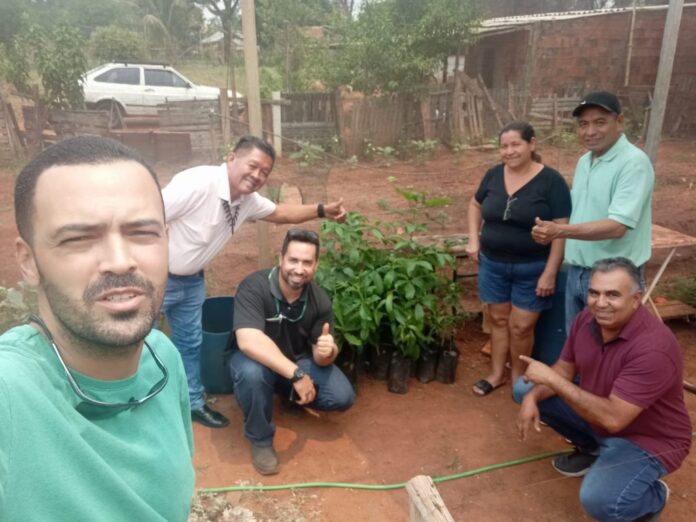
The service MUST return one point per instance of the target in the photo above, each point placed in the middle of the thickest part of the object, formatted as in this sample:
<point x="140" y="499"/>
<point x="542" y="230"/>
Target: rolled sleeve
<point x="633" y="189"/>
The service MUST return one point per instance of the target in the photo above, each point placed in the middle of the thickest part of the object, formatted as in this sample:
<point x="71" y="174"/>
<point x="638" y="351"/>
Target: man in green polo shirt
<point x="611" y="196"/>
<point x="94" y="412"/>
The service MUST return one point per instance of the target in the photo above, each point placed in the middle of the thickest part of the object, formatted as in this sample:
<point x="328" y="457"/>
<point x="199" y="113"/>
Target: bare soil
<point x="435" y="429"/>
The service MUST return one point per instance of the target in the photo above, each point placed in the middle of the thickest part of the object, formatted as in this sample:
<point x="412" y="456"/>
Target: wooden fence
<point x="310" y="116"/>
<point x="11" y="143"/>
<point x="379" y="121"/>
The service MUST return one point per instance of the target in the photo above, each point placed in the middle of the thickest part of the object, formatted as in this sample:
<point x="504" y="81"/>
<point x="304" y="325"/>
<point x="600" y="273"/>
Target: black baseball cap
<point x="604" y="99"/>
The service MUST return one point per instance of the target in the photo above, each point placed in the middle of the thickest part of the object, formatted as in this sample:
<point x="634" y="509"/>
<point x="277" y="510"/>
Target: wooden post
<point x="511" y="100"/>
<point x="425" y="503"/>
<point x="277" y="124"/>
<point x="554" y="116"/>
<point x="251" y="63"/>
<point x="457" y="121"/>
<point x="224" y="118"/>
<point x="664" y="75"/>
<point x="629" y="51"/>
<point x="428" y="133"/>
<point x="530" y="70"/>
<point x="35" y="142"/>
<point x="479" y="117"/>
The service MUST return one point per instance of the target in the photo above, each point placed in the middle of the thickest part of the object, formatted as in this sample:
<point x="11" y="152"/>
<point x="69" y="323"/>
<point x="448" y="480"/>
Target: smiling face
<point x="298" y="264"/>
<point x="98" y="253"/>
<point x="515" y="151"/>
<point x="612" y="297"/>
<point x="247" y="171"/>
<point x="599" y="129"/>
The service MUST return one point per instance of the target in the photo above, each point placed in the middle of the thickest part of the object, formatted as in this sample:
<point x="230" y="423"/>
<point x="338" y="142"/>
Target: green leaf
<point x="352" y="339"/>
<point x="418" y="312"/>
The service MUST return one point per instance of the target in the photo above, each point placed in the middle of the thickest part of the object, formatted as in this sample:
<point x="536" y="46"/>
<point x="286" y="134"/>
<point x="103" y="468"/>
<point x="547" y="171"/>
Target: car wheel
<point x="116" y="111"/>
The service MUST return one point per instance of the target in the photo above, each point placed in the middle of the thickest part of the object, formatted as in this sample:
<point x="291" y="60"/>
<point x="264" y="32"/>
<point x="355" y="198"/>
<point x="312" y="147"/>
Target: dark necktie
<point x="231" y="219"/>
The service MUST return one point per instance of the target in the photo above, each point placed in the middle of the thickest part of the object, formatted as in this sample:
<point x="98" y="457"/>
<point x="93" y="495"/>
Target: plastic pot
<point x="399" y="373"/>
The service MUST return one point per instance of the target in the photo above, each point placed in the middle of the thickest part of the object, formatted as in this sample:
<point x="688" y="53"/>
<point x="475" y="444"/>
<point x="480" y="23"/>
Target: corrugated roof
<point x="511" y="23"/>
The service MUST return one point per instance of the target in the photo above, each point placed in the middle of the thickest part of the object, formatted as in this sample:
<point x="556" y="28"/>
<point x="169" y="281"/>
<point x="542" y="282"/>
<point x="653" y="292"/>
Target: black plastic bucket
<point x="218" y="343"/>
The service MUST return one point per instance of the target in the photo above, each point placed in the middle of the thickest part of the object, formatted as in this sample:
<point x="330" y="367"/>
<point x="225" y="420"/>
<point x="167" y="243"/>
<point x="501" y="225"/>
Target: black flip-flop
<point x="485" y="387"/>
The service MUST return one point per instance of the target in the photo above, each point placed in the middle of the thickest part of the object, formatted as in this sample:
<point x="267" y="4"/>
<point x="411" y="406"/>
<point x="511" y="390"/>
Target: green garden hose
<point x="384" y="487"/>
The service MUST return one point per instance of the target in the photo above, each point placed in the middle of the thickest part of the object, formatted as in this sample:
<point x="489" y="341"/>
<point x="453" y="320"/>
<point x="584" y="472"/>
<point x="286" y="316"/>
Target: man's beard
<point x="104" y="332"/>
<point x="291" y="284"/>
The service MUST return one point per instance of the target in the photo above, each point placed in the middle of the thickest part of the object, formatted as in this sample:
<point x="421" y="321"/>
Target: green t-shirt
<point x="57" y="465"/>
<point x="617" y="186"/>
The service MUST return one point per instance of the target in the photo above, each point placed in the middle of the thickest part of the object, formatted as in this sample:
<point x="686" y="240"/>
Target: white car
<point x="137" y="89"/>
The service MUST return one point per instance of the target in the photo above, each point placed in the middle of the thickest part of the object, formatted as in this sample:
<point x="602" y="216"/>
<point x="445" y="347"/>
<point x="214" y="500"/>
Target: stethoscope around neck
<point x="278" y="318"/>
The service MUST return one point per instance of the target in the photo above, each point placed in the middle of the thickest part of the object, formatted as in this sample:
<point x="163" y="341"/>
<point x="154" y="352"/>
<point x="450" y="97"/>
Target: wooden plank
<point x="511" y="100"/>
<point x="80" y="118"/>
<point x="668" y="310"/>
<point x="549" y="118"/>
<point x="663" y="237"/>
<point x="491" y="102"/>
<point x="425" y="503"/>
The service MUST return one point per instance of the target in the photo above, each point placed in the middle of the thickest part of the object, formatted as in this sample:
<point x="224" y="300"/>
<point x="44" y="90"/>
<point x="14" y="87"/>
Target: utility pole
<point x="251" y="66"/>
<point x="664" y="76"/>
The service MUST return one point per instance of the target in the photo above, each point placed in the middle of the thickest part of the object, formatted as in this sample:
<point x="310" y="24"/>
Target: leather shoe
<point x="209" y="418"/>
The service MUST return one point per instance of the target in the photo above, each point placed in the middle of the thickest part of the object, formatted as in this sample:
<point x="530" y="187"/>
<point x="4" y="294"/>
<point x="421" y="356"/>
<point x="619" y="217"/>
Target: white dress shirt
<point x="198" y="228"/>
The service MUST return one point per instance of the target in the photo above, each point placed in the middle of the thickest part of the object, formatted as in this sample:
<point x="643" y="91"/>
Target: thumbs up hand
<point x="326" y="347"/>
<point x="544" y="232"/>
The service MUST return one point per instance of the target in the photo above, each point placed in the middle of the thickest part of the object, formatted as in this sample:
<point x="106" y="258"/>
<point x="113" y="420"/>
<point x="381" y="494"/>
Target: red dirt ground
<point x="435" y="429"/>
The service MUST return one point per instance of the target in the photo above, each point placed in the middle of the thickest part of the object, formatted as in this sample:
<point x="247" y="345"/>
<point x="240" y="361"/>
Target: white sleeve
<point x="259" y="207"/>
<point x="181" y="197"/>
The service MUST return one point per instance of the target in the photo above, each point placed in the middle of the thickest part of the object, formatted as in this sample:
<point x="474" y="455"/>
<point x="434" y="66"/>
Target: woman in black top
<point x="517" y="276"/>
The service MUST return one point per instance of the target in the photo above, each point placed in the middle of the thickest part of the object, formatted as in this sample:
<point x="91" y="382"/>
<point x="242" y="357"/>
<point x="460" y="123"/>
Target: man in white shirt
<point x="204" y="206"/>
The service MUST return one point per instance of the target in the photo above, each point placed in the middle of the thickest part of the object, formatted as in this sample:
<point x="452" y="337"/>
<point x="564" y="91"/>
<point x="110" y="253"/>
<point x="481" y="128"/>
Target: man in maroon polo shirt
<point x="626" y="417"/>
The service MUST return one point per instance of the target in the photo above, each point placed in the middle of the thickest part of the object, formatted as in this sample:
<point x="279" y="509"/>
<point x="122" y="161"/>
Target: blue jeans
<point x="183" y="307"/>
<point x="622" y="482"/>
<point x="254" y="385"/>
<point x="577" y="283"/>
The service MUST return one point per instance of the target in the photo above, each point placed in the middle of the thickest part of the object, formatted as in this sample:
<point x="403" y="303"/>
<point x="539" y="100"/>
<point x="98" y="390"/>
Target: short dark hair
<point x="248" y="143"/>
<point x="80" y="150"/>
<point x="301" y="235"/>
<point x="526" y="132"/>
<point x="619" y="263"/>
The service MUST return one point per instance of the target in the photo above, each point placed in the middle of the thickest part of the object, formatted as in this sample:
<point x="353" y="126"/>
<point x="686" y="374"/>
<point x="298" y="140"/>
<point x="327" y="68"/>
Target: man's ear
<point x="27" y="262"/>
<point x="230" y="157"/>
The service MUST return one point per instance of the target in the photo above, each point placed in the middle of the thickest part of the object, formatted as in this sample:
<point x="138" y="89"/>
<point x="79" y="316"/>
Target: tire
<point x="115" y="109"/>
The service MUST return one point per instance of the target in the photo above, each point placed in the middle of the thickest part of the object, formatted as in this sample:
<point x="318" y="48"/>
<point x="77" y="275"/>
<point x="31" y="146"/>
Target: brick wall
<point x="573" y="56"/>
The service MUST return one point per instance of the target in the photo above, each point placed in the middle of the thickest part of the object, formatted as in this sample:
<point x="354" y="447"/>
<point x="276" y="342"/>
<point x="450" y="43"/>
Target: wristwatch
<point x="297" y="375"/>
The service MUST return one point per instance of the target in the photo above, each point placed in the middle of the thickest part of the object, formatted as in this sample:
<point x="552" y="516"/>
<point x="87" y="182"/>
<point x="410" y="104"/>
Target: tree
<point x="10" y="19"/>
<point x="227" y="12"/>
<point x="396" y="45"/>
<point x="116" y="44"/>
<point x="287" y="42"/>
<point x="58" y="57"/>
<point x="171" y="27"/>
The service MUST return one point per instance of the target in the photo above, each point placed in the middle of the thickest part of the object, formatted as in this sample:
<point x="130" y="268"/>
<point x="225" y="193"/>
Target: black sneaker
<point x="575" y="464"/>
